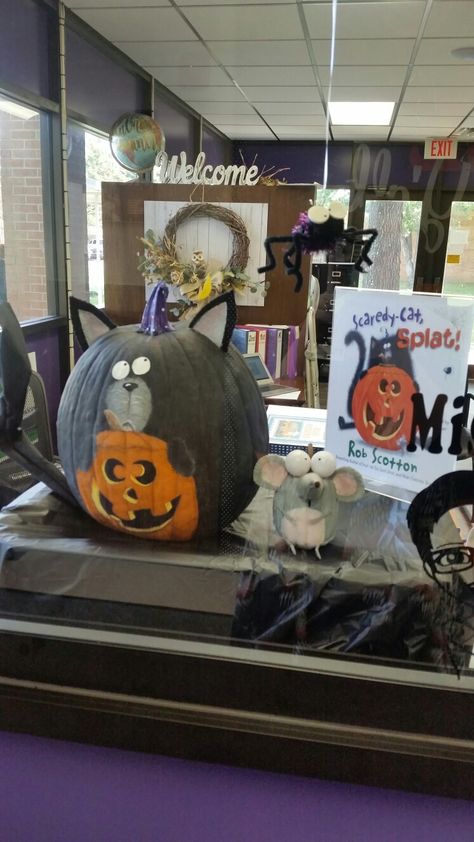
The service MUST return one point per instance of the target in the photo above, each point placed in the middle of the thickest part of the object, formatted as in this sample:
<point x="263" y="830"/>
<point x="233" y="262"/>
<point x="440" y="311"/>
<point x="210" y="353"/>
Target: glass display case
<point x="235" y="649"/>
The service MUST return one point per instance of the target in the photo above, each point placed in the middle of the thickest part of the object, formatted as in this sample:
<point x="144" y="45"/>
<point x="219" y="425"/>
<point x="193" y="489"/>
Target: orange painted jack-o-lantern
<point x="382" y="408"/>
<point x="132" y="486"/>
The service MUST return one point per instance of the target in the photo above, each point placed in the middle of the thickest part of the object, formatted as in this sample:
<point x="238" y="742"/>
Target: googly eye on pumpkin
<point x="141" y="365"/>
<point x="297" y="463"/>
<point x="323" y="463"/>
<point x="120" y="370"/>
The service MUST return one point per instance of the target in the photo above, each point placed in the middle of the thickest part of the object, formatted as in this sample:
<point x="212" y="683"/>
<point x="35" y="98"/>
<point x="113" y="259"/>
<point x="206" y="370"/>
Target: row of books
<point x="277" y="346"/>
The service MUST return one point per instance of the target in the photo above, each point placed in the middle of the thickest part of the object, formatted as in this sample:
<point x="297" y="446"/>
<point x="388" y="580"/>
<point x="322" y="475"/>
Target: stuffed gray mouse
<point x="308" y="489"/>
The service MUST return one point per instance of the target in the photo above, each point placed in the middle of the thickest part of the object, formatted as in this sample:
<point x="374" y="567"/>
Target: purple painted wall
<point x="119" y="90"/>
<point x="368" y="165"/>
<point x="46" y="347"/>
<point x="180" y="128"/>
<point x="28" y="47"/>
<point x="55" y="791"/>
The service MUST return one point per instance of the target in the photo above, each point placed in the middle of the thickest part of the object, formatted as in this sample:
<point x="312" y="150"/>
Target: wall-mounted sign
<point x="178" y="171"/>
<point x="397" y="382"/>
<point x="442" y="147"/>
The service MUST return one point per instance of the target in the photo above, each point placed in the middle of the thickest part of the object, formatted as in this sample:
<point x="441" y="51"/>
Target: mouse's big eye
<point x="323" y="463"/>
<point x="297" y="463"/>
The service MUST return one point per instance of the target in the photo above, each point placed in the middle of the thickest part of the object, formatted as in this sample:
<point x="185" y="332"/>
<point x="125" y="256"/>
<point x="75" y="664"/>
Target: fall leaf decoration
<point x="196" y="283"/>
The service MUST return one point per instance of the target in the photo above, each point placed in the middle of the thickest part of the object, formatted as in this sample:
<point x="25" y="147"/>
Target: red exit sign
<point x="442" y="147"/>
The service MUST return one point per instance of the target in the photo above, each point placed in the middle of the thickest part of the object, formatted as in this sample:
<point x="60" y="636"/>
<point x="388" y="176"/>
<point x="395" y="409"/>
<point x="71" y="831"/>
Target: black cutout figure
<point x="319" y="229"/>
<point x="449" y="491"/>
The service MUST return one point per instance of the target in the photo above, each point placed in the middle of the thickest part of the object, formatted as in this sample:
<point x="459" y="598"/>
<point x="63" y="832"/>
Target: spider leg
<point x="354" y="236"/>
<point x="268" y="250"/>
<point x="294" y="268"/>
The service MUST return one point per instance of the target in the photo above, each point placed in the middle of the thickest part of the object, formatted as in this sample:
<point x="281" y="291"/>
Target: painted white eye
<point x="323" y="463"/>
<point x="120" y="370"/>
<point x="318" y="214"/>
<point x="337" y="210"/>
<point x="141" y="365"/>
<point x="297" y="463"/>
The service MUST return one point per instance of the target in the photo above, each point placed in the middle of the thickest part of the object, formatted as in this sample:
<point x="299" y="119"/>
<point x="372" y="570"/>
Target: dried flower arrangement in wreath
<point x="196" y="283"/>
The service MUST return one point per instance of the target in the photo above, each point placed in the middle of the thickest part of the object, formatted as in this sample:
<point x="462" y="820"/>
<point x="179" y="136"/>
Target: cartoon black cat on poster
<point x="379" y="397"/>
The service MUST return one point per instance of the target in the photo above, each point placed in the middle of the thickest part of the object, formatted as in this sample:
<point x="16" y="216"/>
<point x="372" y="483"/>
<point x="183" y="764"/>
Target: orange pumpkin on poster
<point x="382" y="408"/>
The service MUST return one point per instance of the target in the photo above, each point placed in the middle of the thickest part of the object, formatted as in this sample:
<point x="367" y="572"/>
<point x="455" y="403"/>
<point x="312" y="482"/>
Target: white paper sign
<point x="396" y="385"/>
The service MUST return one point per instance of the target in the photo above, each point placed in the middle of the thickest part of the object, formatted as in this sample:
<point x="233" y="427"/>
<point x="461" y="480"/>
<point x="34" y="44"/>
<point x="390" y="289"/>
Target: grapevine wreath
<point x="196" y="283"/>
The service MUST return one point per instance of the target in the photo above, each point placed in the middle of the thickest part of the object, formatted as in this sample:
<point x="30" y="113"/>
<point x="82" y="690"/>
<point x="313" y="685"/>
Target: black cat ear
<point x="217" y="320"/>
<point x="89" y="322"/>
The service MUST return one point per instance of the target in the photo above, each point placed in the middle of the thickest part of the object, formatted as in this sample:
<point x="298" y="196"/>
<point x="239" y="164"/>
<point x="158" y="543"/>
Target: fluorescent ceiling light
<point x="361" y="113"/>
<point x="16" y="109"/>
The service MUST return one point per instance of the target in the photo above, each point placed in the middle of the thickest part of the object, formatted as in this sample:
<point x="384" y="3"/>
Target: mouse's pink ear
<point x="349" y="485"/>
<point x="270" y="471"/>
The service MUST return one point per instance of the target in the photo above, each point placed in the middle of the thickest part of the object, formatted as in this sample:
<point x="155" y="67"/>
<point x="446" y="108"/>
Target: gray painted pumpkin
<point x="159" y="429"/>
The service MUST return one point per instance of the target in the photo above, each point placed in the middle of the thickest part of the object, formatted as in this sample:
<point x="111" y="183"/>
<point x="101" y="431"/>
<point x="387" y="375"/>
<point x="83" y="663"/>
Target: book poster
<point x="396" y="385"/>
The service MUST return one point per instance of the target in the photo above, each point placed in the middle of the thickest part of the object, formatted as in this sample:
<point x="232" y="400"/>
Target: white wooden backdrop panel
<point x="215" y="239"/>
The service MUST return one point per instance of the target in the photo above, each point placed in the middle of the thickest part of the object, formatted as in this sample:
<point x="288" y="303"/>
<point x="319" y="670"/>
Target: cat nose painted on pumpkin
<point x="129" y="386"/>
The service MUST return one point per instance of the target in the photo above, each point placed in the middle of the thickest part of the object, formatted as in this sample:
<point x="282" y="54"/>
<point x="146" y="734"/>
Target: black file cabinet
<point x="329" y="275"/>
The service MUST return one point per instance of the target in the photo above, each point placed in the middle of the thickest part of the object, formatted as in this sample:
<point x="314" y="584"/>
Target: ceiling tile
<point x="439" y="94"/>
<point x="415" y="133"/>
<point x="260" y="53"/>
<point x="167" y="53"/>
<point x="246" y="22"/>
<point x="292" y="108"/>
<point x="360" y="133"/>
<point x="272" y="75"/>
<point x="233" y="119"/>
<point x="451" y="18"/>
<point x="442" y="76"/>
<point x="438" y="50"/>
<point x="175" y="76"/>
<point x="287" y="133"/>
<point x="296" y="120"/>
<point x="364" y="93"/>
<point x="214" y="109"/>
<point x="117" y="4"/>
<point x="248" y="132"/>
<point x="196" y="93"/>
<point x="365" y="51"/>
<point x="421" y="121"/>
<point x="440" y="109"/>
<point x="366" y="20"/>
<point x="184" y="3"/>
<point x="364" y="75"/>
<point x="155" y="24"/>
<point x="282" y="94"/>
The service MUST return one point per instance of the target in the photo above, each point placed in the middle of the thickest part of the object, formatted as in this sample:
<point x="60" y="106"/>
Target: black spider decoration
<point x="319" y="229"/>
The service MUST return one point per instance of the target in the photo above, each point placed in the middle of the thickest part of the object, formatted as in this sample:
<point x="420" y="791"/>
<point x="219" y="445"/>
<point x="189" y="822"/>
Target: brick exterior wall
<point x="22" y="201"/>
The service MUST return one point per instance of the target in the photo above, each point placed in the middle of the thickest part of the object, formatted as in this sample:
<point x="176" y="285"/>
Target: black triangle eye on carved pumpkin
<point x="159" y="429"/>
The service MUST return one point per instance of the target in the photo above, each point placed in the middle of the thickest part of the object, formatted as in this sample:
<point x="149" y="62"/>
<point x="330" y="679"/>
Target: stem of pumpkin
<point x="155" y="319"/>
